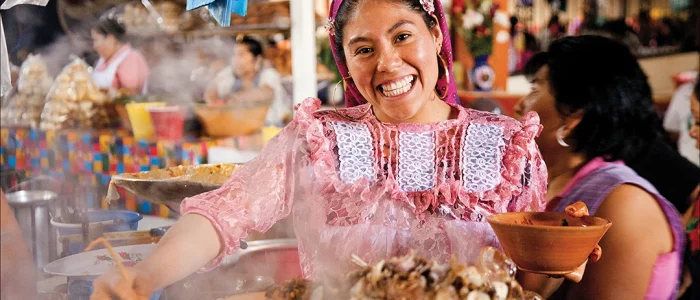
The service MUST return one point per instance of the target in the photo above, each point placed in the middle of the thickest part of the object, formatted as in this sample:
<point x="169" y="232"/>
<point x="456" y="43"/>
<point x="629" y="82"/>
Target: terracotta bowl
<point x="232" y="120"/>
<point x="538" y="242"/>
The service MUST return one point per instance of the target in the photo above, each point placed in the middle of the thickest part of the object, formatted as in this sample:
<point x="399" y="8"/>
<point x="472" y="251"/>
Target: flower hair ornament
<point x="428" y="5"/>
<point x="330" y="26"/>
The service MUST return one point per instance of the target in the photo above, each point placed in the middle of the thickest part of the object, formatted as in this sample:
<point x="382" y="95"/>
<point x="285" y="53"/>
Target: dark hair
<point x="253" y="45"/>
<point x="109" y="25"/>
<point x="601" y="79"/>
<point x="348" y="7"/>
<point x="696" y="90"/>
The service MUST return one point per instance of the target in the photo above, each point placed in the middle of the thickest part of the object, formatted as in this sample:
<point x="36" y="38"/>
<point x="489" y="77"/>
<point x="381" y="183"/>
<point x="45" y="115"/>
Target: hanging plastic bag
<point x="221" y="9"/>
<point x="25" y="106"/>
<point x="12" y="3"/>
<point x="74" y="101"/>
<point x="5" y="75"/>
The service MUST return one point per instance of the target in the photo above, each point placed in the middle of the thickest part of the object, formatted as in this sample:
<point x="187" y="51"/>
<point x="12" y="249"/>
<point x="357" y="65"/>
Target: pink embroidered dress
<point x="358" y="186"/>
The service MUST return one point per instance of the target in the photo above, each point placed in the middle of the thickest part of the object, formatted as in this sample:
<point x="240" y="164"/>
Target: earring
<point x="345" y="88"/>
<point x="560" y="137"/>
<point x="441" y="61"/>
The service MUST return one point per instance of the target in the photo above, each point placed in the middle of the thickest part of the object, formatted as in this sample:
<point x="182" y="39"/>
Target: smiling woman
<point x="401" y="168"/>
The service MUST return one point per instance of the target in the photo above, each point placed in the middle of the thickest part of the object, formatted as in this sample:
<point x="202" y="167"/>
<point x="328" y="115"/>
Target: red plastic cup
<point x="168" y="122"/>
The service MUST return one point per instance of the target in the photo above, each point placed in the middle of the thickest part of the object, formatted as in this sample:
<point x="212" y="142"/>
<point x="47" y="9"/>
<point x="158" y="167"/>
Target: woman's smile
<point x="393" y="89"/>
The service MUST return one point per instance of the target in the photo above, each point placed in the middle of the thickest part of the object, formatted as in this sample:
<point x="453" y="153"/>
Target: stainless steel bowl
<point x="29" y="198"/>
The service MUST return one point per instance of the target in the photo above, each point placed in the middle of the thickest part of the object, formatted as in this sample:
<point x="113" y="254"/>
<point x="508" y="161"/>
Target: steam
<point x="180" y="74"/>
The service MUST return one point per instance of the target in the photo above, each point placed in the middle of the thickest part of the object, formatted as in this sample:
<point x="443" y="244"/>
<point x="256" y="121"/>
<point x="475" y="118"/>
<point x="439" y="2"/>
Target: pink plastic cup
<point x="168" y="122"/>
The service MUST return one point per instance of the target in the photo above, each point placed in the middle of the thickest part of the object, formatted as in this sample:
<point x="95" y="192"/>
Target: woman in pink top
<point x="597" y="111"/>
<point x="119" y="67"/>
<point x="402" y="168"/>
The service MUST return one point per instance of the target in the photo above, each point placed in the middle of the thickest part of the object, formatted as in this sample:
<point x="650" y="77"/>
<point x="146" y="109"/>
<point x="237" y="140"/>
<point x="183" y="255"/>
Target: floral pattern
<point x="128" y="259"/>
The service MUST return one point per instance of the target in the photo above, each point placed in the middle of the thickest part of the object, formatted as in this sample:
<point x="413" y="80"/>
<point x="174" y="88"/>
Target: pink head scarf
<point x="445" y="84"/>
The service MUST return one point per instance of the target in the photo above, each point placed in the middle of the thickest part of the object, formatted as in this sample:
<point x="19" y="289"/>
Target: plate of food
<point x="411" y="277"/>
<point x="91" y="264"/>
<point x="171" y="185"/>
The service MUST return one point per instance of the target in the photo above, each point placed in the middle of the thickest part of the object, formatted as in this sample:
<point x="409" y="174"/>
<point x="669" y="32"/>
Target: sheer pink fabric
<point x="359" y="186"/>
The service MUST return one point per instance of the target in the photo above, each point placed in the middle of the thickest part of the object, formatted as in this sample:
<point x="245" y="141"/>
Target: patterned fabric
<point x="595" y="187"/>
<point x="445" y="84"/>
<point x="481" y="157"/>
<point x="354" y="151"/>
<point x="416" y="161"/>
<point x="355" y="185"/>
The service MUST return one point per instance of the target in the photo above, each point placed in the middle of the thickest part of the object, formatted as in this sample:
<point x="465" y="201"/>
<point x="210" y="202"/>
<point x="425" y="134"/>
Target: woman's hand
<point x="578" y="210"/>
<point x="165" y="265"/>
<point x="113" y="285"/>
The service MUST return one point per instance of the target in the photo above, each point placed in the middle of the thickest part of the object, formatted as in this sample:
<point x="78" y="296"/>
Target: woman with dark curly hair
<point x="596" y="109"/>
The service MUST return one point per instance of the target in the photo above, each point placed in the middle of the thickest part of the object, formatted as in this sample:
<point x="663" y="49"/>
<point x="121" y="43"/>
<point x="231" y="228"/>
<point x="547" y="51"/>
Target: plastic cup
<point x="140" y="119"/>
<point x="168" y="122"/>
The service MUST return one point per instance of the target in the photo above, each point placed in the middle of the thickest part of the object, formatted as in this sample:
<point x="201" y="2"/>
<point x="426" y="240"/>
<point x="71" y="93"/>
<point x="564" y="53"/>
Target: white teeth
<point x="397" y="88"/>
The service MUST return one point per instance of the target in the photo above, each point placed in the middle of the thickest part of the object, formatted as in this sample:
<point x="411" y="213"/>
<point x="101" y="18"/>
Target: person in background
<point x="248" y="80"/>
<point x="692" y="217"/>
<point x="678" y="121"/>
<point x="120" y="67"/>
<point x="17" y="270"/>
<point x="595" y="105"/>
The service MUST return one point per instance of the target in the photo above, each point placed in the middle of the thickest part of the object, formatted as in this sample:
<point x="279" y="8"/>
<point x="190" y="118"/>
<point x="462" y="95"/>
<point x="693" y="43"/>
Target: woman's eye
<point x="402" y="37"/>
<point x="363" y="51"/>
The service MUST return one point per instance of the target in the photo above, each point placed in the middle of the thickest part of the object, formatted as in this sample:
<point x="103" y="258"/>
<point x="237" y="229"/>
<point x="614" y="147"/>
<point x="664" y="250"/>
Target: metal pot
<point x="32" y="212"/>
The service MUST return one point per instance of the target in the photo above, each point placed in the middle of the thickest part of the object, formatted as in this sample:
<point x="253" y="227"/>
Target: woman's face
<point x="392" y="58"/>
<point x="695" y="129"/>
<point x="105" y="46"/>
<point x="541" y="101"/>
<point x="243" y="60"/>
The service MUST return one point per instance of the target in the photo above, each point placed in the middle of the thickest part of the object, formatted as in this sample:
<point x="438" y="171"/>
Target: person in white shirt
<point x="678" y="121"/>
<point x="248" y="80"/>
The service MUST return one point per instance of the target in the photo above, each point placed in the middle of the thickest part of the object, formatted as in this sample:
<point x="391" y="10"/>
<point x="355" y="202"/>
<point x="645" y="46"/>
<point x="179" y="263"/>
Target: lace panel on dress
<point x="481" y="157"/>
<point x="355" y="151"/>
<point x="416" y="161"/>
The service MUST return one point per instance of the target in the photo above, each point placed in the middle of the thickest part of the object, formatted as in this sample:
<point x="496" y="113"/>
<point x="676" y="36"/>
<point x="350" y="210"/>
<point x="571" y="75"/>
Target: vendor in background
<point x="692" y="217"/>
<point x="248" y="80"/>
<point x="678" y="120"/>
<point x="17" y="270"/>
<point x="119" y="67"/>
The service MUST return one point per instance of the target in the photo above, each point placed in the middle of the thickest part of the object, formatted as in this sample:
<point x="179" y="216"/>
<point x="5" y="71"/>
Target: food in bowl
<point x="170" y="186"/>
<point x="550" y="242"/>
<point x="215" y="174"/>
<point x="416" y="277"/>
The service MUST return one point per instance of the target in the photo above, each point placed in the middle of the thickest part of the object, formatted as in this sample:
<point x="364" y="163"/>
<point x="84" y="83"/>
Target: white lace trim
<point x="416" y="161"/>
<point x="481" y="157"/>
<point x="355" y="151"/>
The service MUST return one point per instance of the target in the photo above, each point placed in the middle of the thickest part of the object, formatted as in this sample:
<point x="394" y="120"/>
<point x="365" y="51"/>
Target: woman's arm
<point x="18" y="279"/>
<point x="175" y="258"/>
<point x="640" y="233"/>
<point x="211" y="94"/>
<point x="257" y="195"/>
<point x="133" y="73"/>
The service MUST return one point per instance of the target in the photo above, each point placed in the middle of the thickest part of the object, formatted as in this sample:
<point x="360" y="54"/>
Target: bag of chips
<point x="75" y="101"/>
<point x="26" y="105"/>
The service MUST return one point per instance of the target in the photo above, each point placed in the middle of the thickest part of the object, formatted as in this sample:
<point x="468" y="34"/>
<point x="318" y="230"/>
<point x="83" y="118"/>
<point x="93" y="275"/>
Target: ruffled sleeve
<point x="531" y="171"/>
<point x="259" y="193"/>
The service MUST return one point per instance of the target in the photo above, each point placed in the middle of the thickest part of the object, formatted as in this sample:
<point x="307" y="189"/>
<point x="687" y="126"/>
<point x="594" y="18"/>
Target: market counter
<point x="94" y="156"/>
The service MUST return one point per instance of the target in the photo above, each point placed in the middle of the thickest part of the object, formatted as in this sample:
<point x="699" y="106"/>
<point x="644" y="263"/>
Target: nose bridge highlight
<point x="389" y="59"/>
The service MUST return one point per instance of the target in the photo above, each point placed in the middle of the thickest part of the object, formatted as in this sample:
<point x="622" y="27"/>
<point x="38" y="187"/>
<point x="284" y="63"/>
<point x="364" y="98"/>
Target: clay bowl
<point x="538" y="242"/>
